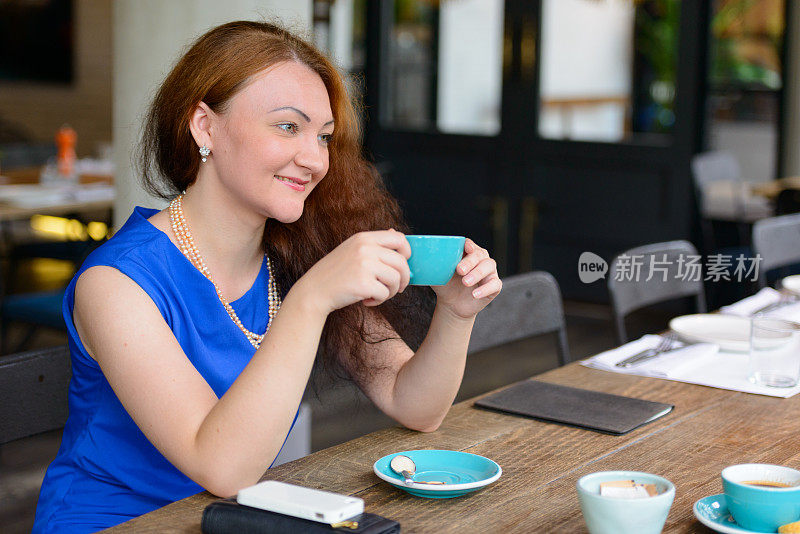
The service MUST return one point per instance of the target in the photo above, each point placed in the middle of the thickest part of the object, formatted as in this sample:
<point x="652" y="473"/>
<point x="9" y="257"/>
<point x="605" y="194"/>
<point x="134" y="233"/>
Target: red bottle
<point x="66" y="139"/>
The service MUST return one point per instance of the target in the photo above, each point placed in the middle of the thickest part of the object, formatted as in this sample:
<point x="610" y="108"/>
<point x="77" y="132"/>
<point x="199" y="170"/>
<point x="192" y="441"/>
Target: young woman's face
<point x="270" y="146"/>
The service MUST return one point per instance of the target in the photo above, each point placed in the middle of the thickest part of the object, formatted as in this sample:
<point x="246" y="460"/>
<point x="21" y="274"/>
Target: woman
<point x="175" y="389"/>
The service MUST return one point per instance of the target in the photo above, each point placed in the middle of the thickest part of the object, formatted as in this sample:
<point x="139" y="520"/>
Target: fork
<point x="666" y="343"/>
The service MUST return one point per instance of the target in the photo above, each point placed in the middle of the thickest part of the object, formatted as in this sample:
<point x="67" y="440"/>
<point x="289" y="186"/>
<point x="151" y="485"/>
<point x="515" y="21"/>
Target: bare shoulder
<point x="97" y="277"/>
<point x="102" y="283"/>
<point x="108" y="302"/>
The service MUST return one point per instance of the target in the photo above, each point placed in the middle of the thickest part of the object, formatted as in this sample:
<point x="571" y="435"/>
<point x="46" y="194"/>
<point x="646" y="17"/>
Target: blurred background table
<point x="772" y="189"/>
<point x="22" y="196"/>
<point x="783" y="193"/>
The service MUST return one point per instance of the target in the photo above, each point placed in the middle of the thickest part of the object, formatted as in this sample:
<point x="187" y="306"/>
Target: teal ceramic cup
<point x="434" y="258"/>
<point x="762" y="508"/>
<point x="608" y="515"/>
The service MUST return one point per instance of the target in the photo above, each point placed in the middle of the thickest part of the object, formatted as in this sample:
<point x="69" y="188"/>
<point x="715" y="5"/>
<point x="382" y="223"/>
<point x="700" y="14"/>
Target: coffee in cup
<point x="762" y="497"/>
<point x="767" y="484"/>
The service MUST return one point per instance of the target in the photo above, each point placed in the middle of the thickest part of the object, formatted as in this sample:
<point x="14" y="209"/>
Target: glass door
<point x="541" y="128"/>
<point x="613" y="95"/>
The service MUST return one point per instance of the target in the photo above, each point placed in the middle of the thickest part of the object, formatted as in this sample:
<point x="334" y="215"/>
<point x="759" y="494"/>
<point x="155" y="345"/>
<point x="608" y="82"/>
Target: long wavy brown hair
<point x="352" y="197"/>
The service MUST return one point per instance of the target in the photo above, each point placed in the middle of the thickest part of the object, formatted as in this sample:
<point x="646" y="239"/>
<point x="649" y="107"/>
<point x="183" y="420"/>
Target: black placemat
<point x="601" y="412"/>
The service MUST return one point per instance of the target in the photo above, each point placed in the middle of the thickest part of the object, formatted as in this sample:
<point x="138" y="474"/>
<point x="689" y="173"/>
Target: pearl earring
<point x="204" y="152"/>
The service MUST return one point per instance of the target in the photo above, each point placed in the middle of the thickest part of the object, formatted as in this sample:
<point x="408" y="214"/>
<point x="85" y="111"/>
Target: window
<point x="445" y="66"/>
<point x="608" y="69"/>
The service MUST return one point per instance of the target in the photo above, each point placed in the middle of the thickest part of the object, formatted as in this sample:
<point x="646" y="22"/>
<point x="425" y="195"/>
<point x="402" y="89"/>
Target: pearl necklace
<point x="189" y="249"/>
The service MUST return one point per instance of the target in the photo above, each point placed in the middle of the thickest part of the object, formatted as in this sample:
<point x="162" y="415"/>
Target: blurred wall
<point x="149" y="36"/>
<point x="41" y="108"/>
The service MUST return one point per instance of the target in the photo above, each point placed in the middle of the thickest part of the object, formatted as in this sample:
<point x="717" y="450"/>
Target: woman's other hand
<point x="369" y="267"/>
<point x="474" y="284"/>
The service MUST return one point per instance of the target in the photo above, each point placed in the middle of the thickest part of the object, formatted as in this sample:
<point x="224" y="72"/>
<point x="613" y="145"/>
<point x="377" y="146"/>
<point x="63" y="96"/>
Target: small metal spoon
<point x="405" y="466"/>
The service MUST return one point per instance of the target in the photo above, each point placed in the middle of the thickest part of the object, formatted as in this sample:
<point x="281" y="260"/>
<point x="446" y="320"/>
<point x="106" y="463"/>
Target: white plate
<point x="792" y="283"/>
<point x="731" y="333"/>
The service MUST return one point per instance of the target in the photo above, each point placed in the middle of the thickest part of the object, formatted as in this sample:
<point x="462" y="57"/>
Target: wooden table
<point x="708" y="430"/>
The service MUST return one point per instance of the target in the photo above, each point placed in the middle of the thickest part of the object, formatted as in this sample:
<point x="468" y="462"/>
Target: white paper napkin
<point x="701" y="364"/>
<point x="747" y="306"/>
<point x="669" y="365"/>
<point x="790" y="312"/>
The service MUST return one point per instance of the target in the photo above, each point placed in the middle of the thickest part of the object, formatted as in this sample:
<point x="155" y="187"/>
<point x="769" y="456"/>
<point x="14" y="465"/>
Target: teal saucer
<point x="461" y="473"/>
<point x="713" y="512"/>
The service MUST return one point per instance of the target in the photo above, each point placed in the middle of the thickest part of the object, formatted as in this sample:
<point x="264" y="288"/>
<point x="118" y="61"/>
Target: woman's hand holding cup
<point x="474" y="284"/>
<point x="368" y="267"/>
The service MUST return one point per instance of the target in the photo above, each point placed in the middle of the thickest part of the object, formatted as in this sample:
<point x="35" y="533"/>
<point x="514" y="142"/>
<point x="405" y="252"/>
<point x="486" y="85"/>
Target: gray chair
<point x="723" y="195"/>
<point x="529" y="305"/>
<point x="33" y="392"/>
<point x="629" y="293"/>
<point x="717" y="170"/>
<point x="298" y="442"/>
<point x="718" y="166"/>
<point x="777" y="241"/>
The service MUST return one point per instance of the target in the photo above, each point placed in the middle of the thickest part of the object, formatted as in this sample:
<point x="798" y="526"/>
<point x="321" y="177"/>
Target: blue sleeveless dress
<point x="106" y="471"/>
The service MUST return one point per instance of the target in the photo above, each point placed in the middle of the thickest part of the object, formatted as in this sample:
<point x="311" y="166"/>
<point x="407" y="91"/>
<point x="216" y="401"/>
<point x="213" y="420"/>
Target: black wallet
<point x="593" y="410"/>
<point x="229" y="517"/>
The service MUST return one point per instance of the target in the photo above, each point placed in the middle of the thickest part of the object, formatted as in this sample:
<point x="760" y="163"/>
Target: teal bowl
<point x="607" y="515"/>
<point x="461" y="473"/>
<point x="759" y="508"/>
<point x="434" y="258"/>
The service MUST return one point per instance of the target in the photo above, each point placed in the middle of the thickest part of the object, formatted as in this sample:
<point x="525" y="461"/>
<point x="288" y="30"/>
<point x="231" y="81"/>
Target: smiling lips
<point x="295" y="183"/>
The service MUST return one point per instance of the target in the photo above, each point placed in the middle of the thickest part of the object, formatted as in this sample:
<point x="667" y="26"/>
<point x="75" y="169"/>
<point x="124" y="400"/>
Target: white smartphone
<point x="297" y="501"/>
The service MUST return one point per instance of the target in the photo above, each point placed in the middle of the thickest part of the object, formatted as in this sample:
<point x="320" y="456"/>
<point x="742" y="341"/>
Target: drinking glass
<point x="774" y="352"/>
